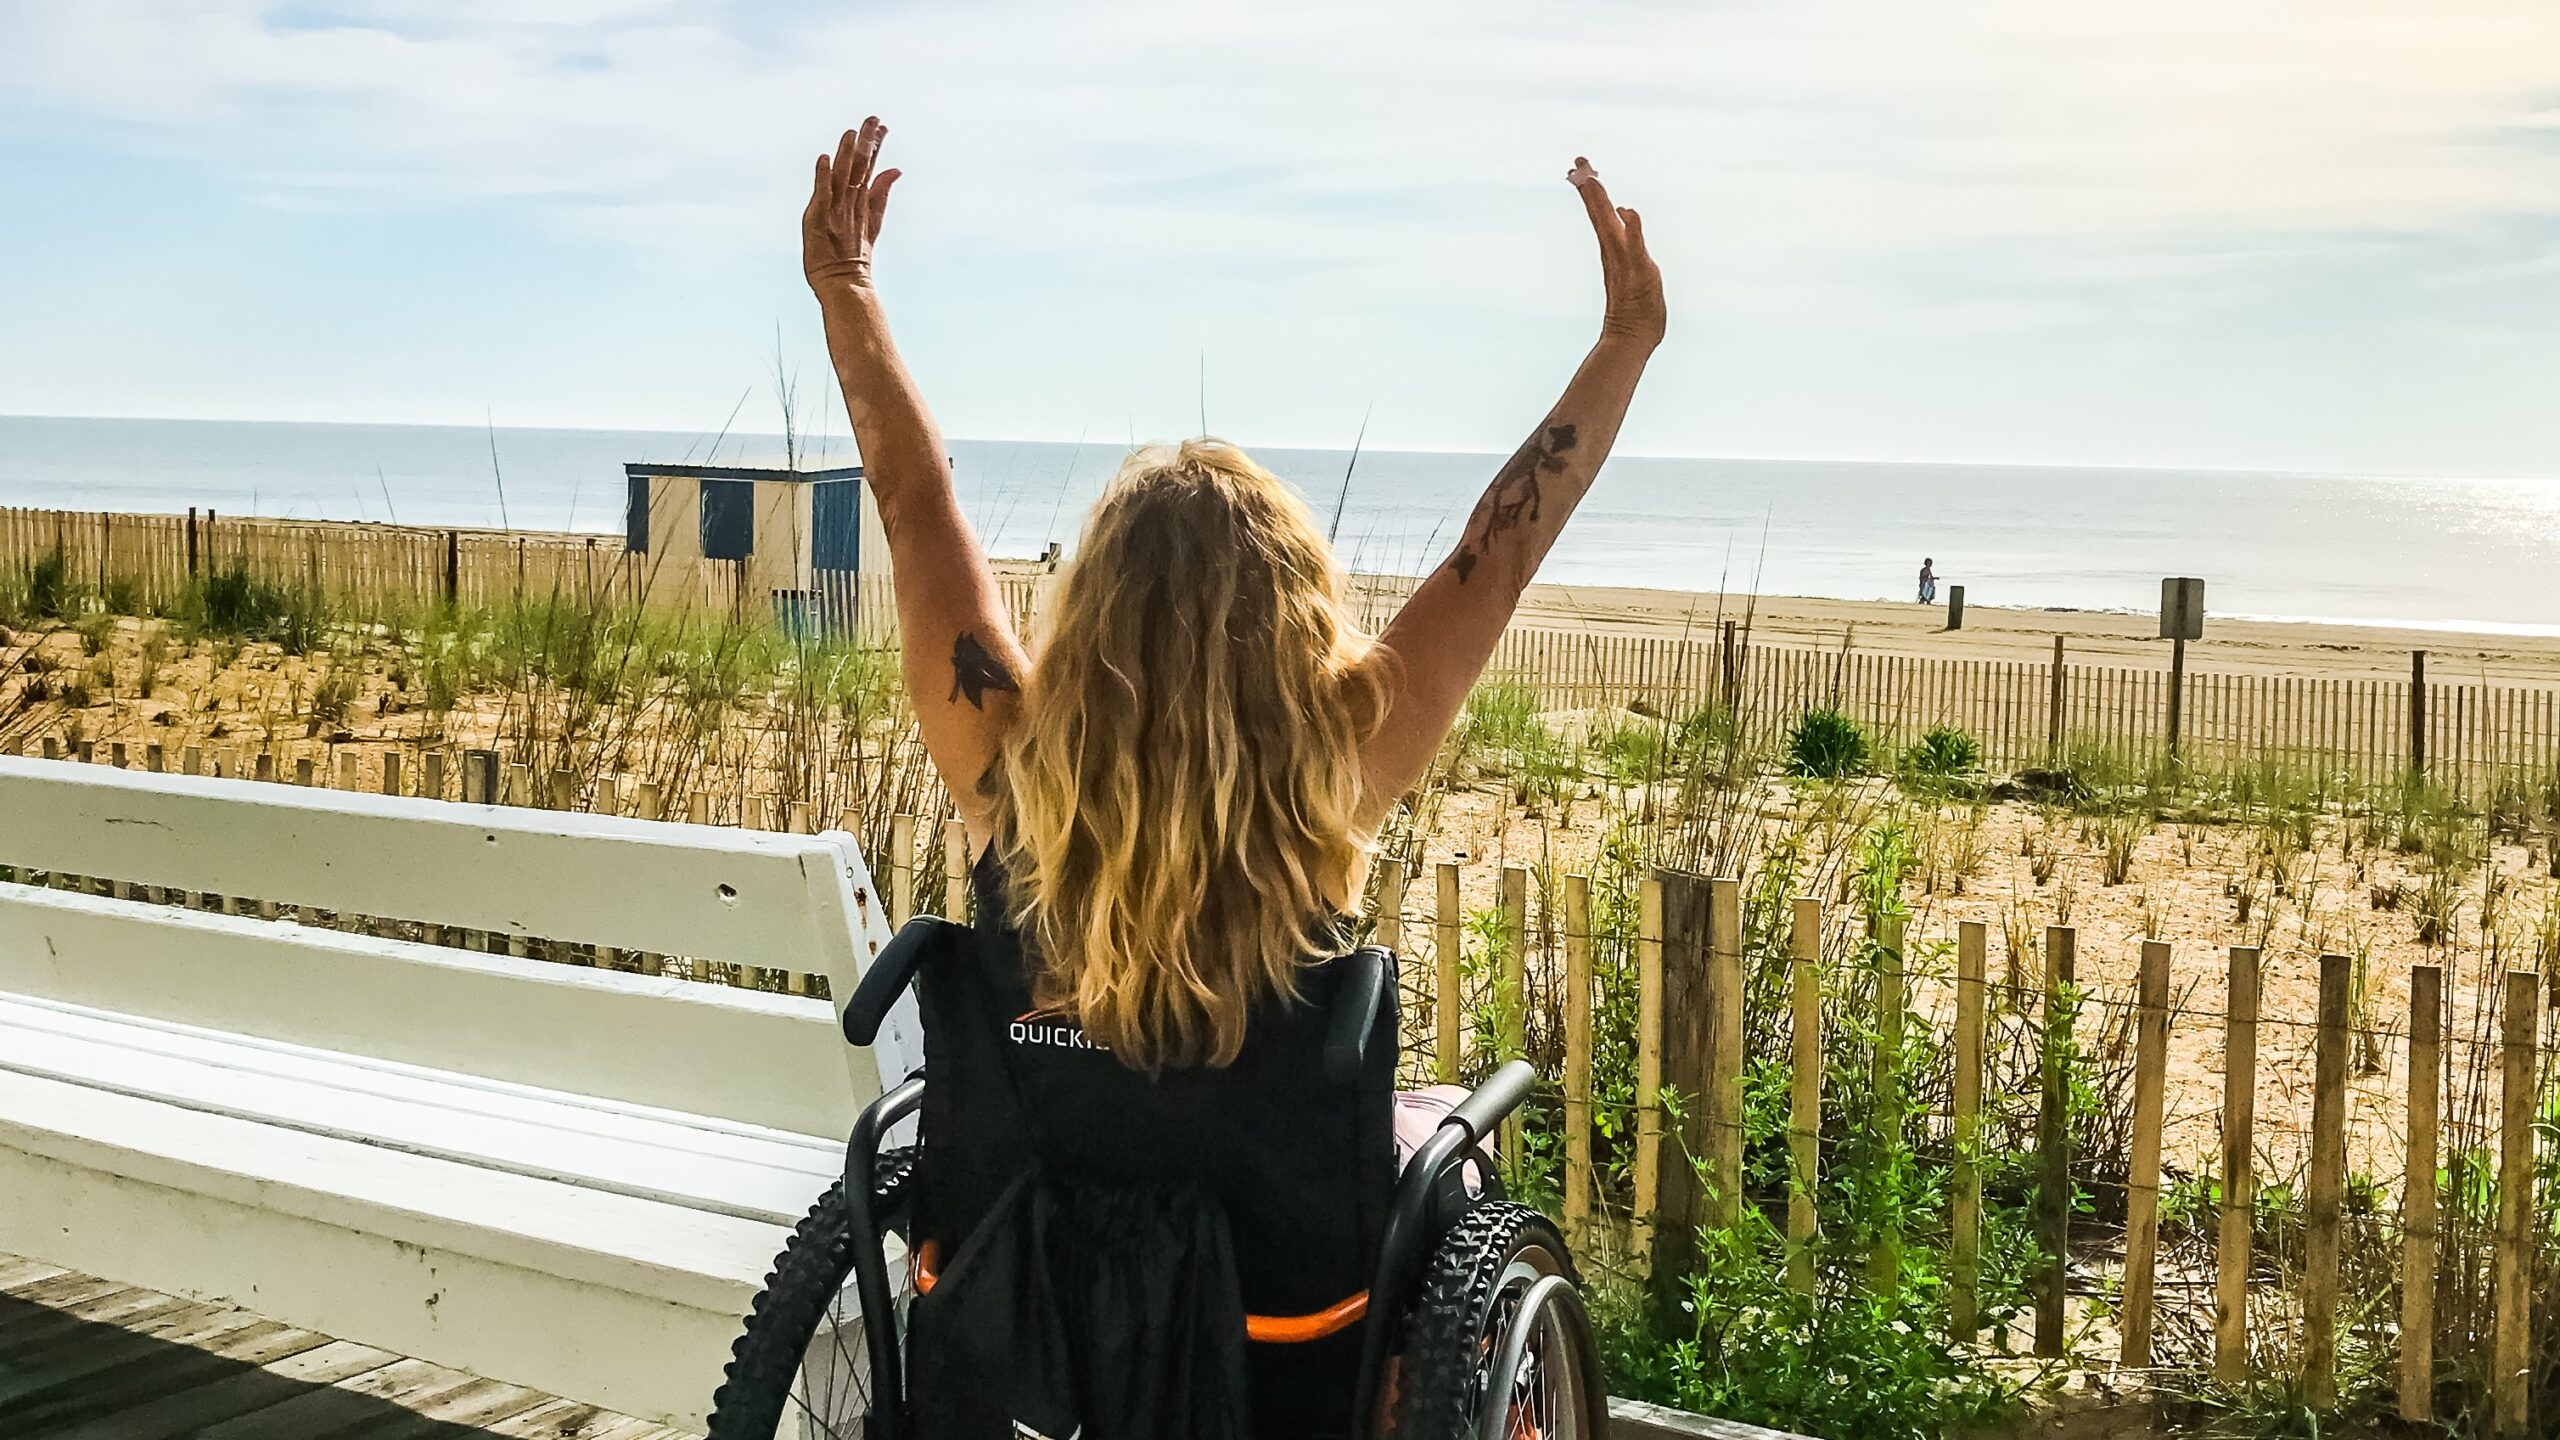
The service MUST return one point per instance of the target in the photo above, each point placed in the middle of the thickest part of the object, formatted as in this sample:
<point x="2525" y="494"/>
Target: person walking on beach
<point x="1928" y="580"/>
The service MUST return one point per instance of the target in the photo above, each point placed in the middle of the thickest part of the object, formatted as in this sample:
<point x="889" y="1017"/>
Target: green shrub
<point x="1943" y="755"/>
<point x="1826" y="743"/>
<point x="49" y="592"/>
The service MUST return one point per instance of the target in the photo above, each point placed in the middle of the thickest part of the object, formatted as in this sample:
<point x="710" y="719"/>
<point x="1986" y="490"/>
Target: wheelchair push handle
<point x="1494" y="1100"/>
<point x="891" y="972"/>
<point x="1355" y="1013"/>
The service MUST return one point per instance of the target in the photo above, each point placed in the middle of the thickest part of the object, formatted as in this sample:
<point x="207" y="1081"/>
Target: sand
<point x="2248" y="647"/>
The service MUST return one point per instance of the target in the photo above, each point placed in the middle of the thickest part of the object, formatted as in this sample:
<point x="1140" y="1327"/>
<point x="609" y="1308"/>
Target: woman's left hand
<point x="1634" y="283"/>
<point x="846" y="203"/>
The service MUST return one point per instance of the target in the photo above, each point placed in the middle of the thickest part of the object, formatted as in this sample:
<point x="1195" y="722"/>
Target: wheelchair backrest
<point x="1302" y="1160"/>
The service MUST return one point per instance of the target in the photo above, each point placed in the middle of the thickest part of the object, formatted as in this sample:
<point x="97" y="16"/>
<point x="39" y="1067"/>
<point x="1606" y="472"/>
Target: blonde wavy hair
<point x="1176" y="799"/>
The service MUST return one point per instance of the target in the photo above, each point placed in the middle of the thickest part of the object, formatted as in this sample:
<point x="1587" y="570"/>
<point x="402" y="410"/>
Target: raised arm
<point x="960" y="652"/>
<point x="1446" y="632"/>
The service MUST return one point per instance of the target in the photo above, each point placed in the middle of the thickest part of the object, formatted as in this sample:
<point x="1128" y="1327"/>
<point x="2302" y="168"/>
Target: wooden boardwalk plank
<point x="15" y="1273"/>
<point x="76" y="1351"/>
<point x="568" y="1420"/>
<point x="268" y="1385"/>
<point x="162" y="1371"/>
<point x="475" y="1404"/>
<point x="349" y="1409"/>
<point x="118" y="1362"/>
<point x="43" y="1329"/>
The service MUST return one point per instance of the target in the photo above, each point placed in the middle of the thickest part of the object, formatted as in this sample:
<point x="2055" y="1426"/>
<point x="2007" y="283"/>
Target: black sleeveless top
<point x="1303" y="1168"/>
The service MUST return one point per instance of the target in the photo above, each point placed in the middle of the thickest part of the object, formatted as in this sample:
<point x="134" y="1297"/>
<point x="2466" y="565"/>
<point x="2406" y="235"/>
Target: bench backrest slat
<point x="762" y="1059"/>
<point x="748" y="897"/>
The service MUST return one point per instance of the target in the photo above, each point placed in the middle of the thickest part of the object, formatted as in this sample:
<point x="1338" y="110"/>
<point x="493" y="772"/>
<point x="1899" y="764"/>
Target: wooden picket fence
<point x="1686" y="1172"/>
<point x="2472" y="736"/>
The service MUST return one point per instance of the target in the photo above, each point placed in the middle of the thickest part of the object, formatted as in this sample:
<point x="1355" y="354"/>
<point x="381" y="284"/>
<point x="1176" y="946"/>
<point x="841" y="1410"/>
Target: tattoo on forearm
<point x="974" y="672"/>
<point x="1514" y="496"/>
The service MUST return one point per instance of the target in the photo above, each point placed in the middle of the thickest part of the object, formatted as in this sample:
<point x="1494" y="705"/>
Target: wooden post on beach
<point x="2239" y="1198"/>
<point x="2325" y="1193"/>
<point x="2417" y="712"/>
<point x="2511" y="1342"/>
<point x="1722" y="1097"/>
<point x="191" y="542"/>
<point x="2053" y="1142"/>
<point x="2142" y="1185"/>
<point x="1884" y="1263"/>
<point x="2053" y="715"/>
<point x="452" y="567"/>
<point x="902" y="868"/>
<point x="1648" y="1161"/>
<point x="2177" y="690"/>
<point x="1577" y="1058"/>
<point x="1511" y="996"/>
<point x="955" y="871"/>
<point x="1965" y="1204"/>
<point x="1444" y="966"/>
<point x="2418" y="1196"/>
<point x="479" y="777"/>
<point x="1804" y="1111"/>
<point x="1955" y="607"/>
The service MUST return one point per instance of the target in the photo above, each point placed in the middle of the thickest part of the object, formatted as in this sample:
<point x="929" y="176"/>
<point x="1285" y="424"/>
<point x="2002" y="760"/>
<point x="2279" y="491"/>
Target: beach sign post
<point x="2181" y="620"/>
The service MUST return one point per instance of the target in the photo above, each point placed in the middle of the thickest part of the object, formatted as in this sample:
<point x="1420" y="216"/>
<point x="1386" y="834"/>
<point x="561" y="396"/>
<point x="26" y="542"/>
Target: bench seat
<point x="512" y="1231"/>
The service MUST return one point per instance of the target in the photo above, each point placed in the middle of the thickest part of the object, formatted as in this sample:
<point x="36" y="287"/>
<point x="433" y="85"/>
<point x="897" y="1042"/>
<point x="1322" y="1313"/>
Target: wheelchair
<point x="1472" y="1324"/>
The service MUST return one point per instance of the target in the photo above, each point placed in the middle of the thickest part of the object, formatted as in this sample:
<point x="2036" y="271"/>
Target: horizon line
<point x="2122" y="466"/>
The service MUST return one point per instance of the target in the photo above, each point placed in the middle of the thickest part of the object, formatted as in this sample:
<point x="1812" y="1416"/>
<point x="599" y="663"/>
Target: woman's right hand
<point x="1635" y="309"/>
<point x="846" y="203"/>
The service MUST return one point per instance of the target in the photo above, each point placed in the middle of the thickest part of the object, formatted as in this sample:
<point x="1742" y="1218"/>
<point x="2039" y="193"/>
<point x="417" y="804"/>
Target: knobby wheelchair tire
<point x="812" y="1270"/>
<point x="1473" y="1282"/>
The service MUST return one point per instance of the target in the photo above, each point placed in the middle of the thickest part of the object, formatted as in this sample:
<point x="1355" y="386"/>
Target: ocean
<point x="2480" y="555"/>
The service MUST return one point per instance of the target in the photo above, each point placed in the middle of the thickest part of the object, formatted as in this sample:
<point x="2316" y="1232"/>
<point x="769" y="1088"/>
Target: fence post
<point x="2418" y="1196"/>
<point x="2142" y="1185"/>
<point x="2177" y="690"/>
<point x="1648" y="1162"/>
<point x="191" y="543"/>
<point x="1511" y="997"/>
<point x="2324" y="1192"/>
<point x="1577" y="1057"/>
<point x="1965" y="1205"/>
<point x="2511" y="1348"/>
<point x="2053" y="1142"/>
<point x="452" y="567"/>
<point x="902" y="868"/>
<point x="1444" y="965"/>
<point x="955" y="871"/>
<point x="2418" y="712"/>
<point x="390" y="772"/>
<point x="431" y="776"/>
<point x="1804" y="1110"/>
<point x="1885" y="1262"/>
<point x="2239" y="1200"/>
<point x="1723" y="1097"/>
<point x="2053" y="713"/>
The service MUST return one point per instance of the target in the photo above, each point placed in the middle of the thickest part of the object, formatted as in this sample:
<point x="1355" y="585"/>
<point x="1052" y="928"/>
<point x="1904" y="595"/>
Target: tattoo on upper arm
<point x="974" y="672"/>
<point x="1514" y="496"/>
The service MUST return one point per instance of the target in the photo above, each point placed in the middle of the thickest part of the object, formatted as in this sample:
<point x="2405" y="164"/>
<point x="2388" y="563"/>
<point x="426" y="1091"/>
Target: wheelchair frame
<point x="1431" y="1193"/>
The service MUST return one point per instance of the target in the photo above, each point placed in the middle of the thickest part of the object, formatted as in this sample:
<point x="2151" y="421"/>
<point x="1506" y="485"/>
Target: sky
<point x="2278" y="234"/>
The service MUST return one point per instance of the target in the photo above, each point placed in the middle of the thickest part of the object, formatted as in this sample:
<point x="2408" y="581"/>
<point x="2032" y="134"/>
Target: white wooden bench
<point x="568" y="1178"/>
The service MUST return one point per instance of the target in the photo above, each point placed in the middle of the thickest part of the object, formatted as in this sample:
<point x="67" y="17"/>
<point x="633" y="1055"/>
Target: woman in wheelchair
<point x="1156" y="1189"/>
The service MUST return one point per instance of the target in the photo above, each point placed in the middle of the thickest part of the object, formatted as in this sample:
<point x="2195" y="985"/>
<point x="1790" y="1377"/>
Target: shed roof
<point x="741" y="472"/>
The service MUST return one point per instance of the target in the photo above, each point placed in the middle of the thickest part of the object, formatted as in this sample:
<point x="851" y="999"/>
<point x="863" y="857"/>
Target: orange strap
<point x="1265" y="1329"/>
